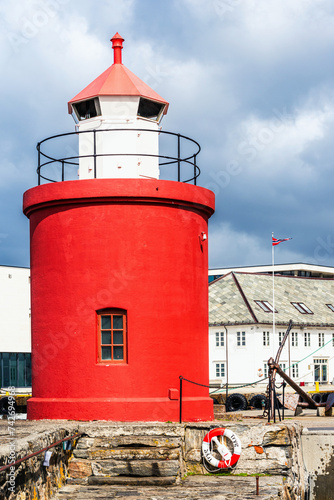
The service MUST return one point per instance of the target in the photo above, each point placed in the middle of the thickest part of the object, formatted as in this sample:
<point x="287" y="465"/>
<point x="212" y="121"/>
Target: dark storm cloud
<point x="252" y="81"/>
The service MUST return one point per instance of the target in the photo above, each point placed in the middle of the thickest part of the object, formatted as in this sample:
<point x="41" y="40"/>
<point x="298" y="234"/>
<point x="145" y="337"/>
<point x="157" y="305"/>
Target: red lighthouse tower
<point x="119" y="263"/>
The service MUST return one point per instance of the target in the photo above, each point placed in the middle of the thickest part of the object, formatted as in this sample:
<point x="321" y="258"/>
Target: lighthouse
<point x="119" y="263"/>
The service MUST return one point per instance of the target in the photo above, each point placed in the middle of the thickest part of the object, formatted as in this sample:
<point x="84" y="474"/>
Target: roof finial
<point x="117" y="45"/>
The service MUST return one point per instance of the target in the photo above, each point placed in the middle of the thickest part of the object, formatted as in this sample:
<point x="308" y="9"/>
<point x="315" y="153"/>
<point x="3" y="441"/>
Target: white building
<point x="15" y="337"/>
<point x="241" y="336"/>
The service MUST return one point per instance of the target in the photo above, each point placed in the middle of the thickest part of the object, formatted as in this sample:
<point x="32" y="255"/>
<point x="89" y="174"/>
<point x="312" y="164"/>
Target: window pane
<point x="5" y="361"/>
<point x="20" y="368"/>
<point x="118" y="352"/>
<point x="106" y="352"/>
<point x="324" y="374"/>
<point x="106" y="338"/>
<point x="28" y="370"/>
<point x="118" y="337"/>
<point x="118" y="322"/>
<point x="13" y="371"/>
<point x="106" y="322"/>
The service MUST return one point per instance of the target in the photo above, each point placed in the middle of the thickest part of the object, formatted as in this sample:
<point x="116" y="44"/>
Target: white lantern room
<point x="118" y="119"/>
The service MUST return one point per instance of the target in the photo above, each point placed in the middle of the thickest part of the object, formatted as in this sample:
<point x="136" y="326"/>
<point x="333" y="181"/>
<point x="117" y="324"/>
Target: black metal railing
<point x="64" y="163"/>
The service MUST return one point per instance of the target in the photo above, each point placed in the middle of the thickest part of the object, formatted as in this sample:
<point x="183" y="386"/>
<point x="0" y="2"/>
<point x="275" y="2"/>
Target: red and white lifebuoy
<point x="228" y="459"/>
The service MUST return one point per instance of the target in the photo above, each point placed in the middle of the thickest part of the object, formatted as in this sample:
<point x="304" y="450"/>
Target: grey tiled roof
<point x="228" y="301"/>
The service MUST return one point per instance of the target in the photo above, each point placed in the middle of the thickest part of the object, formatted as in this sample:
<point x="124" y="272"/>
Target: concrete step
<point x="192" y="488"/>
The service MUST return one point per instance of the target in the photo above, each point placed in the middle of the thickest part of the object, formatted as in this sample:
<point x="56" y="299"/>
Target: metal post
<point x="62" y="171"/>
<point x="195" y="173"/>
<point x="178" y="158"/>
<point x="284" y="384"/>
<point x="269" y="399"/>
<point x="181" y="379"/>
<point x="94" y="131"/>
<point x="257" y="484"/>
<point x="39" y="164"/>
<point x="226" y="363"/>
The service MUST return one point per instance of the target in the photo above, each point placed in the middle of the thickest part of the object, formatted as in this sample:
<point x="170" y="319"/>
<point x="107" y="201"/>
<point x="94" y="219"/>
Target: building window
<point x="331" y="307"/>
<point x="332" y="339"/>
<point x="283" y="366"/>
<point x="294" y="339"/>
<point x="280" y="337"/>
<point x="241" y="339"/>
<point x="220" y="370"/>
<point x="307" y="339"/>
<point x="265" y="306"/>
<point x="321" y="337"/>
<point x="266" y="338"/>
<point x="220" y="339"/>
<point x="295" y="372"/>
<point x="302" y="308"/>
<point x="15" y="369"/>
<point x="265" y="370"/>
<point x="112" y="336"/>
<point x="320" y="370"/>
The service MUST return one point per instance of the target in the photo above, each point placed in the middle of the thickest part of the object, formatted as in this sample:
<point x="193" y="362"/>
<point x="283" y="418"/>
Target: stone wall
<point x="156" y="454"/>
<point x="31" y="479"/>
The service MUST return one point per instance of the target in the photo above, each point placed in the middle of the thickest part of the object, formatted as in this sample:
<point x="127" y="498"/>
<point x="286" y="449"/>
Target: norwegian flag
<point x="277" y="241"/>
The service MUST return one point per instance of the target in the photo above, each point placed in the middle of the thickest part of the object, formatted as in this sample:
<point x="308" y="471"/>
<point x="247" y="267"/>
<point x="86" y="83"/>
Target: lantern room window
<point x="87" y="109"/>
<point x="150" y="109"/>
<point x="112" y="336"/>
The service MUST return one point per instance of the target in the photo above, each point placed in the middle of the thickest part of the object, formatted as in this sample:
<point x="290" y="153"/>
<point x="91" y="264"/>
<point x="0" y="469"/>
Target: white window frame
<point x="220" y="368"/>
<point x="321" y="339"/>
<point x="266" y="339"/>
<point x="294" y="339"/>
<point x="295" y="370"/>
<point x="220" y="339"/>
<point x="265" y="306"/>
<point x="280" y="337"/>
<point x="302" y="308"/>
<point x="241" y="339"/>
<point x="307" y="339"/>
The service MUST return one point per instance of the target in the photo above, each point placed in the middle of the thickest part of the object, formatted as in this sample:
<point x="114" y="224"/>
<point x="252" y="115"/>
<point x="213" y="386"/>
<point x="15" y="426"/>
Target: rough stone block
<point x="79" y="469"/>
<point x="133" y="481"/>
<point x="134" y="453"/>
<point x="137" y="441"/>
<point x="277" y="437"/>
<point x="321" y="412"/>
<point x="136" y="468"/>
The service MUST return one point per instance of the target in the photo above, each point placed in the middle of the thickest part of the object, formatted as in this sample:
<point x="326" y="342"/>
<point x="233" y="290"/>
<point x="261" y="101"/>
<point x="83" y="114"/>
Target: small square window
<point x="112" y="336"/>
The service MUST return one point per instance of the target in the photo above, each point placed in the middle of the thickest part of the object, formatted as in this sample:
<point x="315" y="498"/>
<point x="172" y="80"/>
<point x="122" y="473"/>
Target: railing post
<point x="62" y="171"/>
<point x="94" y="153"/>
<point x="39" y="164"/>
<point x="178" y="157"/>
<point x="284" y="384"/>
<point x="195" y="173"/>
<point x="181" y="379"/>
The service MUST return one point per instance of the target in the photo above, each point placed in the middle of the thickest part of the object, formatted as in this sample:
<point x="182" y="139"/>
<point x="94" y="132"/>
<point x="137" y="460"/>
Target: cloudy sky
<point x="251" y="80"/>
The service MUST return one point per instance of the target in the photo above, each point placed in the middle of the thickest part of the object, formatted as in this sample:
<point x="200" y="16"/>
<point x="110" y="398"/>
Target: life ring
<point x="228" y="459"/>
<point x="260" y="372"/>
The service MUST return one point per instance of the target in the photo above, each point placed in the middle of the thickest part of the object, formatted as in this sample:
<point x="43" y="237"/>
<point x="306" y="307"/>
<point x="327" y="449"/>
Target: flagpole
<point x="273" y="267"/>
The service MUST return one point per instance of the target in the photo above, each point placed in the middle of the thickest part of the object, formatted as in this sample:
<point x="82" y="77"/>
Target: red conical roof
<point x="117" y="80"/>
